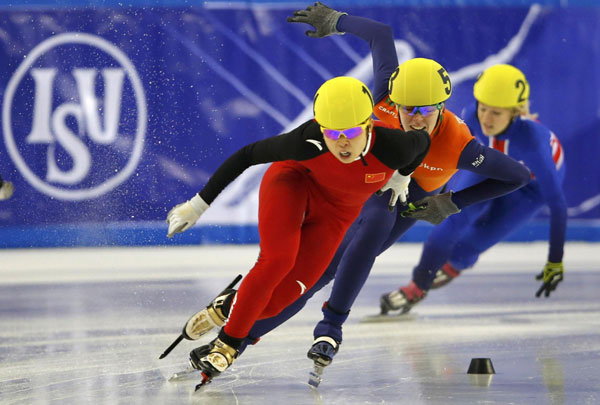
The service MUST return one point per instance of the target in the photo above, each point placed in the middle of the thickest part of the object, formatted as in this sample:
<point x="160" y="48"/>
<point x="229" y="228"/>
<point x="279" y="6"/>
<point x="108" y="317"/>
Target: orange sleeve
<point x="385" y="112"/>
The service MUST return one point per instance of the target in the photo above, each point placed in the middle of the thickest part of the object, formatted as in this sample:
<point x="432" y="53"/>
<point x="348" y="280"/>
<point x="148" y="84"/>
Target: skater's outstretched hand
<point x="321" y="17"/>
<point x="551" y="276"/>
<point x="183" y="216"/>
<point x="433" y="209"/>
<point x="399" y="186"/>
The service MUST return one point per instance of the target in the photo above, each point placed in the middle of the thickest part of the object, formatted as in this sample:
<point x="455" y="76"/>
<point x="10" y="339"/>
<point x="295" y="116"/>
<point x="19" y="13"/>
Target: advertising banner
<point x="112" y="115"/>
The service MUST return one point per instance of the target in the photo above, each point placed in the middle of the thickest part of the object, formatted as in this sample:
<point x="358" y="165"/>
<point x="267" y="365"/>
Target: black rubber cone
<point x="481" y="366"/>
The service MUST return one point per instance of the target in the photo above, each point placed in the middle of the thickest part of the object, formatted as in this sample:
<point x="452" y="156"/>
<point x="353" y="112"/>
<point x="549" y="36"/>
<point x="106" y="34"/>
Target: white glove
<point x="399" y="185"/>
<point x="6" y="190"/>
<point x="183" y="216"/>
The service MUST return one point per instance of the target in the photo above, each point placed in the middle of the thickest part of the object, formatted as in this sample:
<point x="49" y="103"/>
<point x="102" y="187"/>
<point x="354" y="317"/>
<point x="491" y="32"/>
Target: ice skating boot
<point x="445" y="275"/>
<point x="321" y="352"/>
<point x="402" y="299"/>
<point x="328" y="337"/>
<point x="212" y="359"/>
<point x="215" y="314"/>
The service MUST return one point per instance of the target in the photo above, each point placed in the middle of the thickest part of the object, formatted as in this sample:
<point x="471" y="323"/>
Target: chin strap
<point x="438" y="124"/>
<point x="367" y="148"/>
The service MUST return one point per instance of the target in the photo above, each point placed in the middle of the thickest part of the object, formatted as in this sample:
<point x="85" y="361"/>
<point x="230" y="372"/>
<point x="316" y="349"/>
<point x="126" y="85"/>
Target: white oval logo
<point x="81" y="146"/>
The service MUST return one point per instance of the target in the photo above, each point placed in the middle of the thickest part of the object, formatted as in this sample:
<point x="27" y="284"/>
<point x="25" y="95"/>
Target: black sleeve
<point x="302" y="143"/>
<point x="401" y="150"/>
<point x="504" y="174"/>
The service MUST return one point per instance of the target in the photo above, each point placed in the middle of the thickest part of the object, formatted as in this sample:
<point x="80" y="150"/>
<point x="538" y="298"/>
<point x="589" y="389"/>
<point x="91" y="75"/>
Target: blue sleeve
<point x="381" y="40"/>
<point x="503" y="174"/>
<point x="539" y="160"/>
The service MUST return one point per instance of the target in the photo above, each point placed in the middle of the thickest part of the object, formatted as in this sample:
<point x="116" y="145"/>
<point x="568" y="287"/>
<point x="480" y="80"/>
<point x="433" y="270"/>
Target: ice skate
<point x="321" y="352"/>
<point x="402" y="299"/>
<point x="444" y="275"/>
<point x="214" y="315"/>
<point x="212" y="359"/>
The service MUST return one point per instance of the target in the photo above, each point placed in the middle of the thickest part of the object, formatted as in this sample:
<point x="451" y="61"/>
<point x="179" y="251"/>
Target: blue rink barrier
<point x="154" y="234"/>
<point x="115" y="111"/>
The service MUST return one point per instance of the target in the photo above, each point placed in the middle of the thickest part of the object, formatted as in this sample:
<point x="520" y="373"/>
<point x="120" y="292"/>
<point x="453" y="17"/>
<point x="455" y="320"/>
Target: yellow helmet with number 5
<point x="420" y="82"/>
<point x="342" y="102"/>
<point x="502" y="86"/>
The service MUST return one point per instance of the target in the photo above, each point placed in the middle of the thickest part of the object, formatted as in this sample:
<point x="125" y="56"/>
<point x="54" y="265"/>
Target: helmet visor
<point x="349" y="133"/>
<point x="424" y="110"/>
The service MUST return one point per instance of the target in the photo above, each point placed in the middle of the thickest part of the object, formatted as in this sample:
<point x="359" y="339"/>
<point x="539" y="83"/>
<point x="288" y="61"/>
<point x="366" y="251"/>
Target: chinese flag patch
<point x="374" y="178"/>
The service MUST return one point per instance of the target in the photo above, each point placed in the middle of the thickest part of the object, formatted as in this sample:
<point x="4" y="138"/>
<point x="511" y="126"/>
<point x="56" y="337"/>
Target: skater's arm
<point x="380" y="38"/>
<point x="289" y="146"/>
<point x="503" y="174"/>
<point x="401" y="150"/>
<point x="539" y="159"/>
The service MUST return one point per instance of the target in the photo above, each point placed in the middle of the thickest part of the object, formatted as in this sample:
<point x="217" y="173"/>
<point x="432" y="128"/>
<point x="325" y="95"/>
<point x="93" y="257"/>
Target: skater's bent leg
<point x="504" y="215"/>
<point x="264" y="326"/>
<point x="321" y="235"/>
<point x="282" y="203"/>
<point x="370" y="231"/>
<point x="440" y="244"/>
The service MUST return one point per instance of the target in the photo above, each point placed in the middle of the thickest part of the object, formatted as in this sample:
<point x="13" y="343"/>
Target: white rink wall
<point x="185" y="262"/>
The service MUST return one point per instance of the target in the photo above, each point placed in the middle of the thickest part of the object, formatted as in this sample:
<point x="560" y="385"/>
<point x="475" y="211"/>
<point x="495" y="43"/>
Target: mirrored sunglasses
<point x="349" y="133"/>
<point x="424" y="110"/>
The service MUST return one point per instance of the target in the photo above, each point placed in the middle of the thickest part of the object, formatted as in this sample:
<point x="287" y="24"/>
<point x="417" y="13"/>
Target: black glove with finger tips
<point x="433" y="209"/>
<point x="321" y="17"/>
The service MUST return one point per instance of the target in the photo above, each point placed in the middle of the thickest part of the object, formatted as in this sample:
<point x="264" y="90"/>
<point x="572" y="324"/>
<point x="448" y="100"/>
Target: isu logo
<point x="74" y="117"/>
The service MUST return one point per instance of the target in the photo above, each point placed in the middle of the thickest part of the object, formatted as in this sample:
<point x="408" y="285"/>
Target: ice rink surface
<point x="86" y="326"/>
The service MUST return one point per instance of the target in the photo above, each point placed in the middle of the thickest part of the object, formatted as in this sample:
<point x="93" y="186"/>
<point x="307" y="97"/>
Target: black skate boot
<point x="402" y="299"/>
<point x="328" y="337"/>
<point x="215" y="314"/>
<point x="444" y="275"/>
<point x="321" y="352"/>
<point x="212" y="359"/>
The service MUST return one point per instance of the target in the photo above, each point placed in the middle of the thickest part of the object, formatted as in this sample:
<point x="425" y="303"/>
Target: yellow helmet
<point x="502" y="86"/>
<point x="342" y="102"/>
<point x="419" y="82"/>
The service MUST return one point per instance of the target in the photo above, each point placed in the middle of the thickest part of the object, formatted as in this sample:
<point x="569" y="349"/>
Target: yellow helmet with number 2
<point x="502" y="86"/>
<point x="419" y="82"/>
<point x="342" y="102"/>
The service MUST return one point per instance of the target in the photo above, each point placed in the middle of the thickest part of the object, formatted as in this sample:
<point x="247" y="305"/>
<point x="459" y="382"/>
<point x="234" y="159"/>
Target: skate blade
<point x="205" y="380"/>
<point x="392" y="317"/>
<point x="184" y="374"/>
<point x="315" y="377"/>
